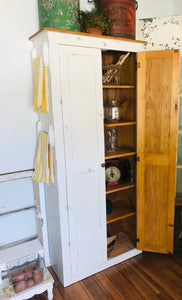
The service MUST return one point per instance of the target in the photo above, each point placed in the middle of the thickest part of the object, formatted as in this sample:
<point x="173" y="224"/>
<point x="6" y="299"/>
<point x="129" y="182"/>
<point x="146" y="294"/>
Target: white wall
<point x="177" y="7"/>
<point x="85" y="5"/>
<point x="154" y="8"/>
<point x="18" y="20"/>
<point x="149" y="8"/>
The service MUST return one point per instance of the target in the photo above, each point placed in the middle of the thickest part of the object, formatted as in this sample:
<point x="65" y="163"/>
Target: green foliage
<point x="94" y="18"/>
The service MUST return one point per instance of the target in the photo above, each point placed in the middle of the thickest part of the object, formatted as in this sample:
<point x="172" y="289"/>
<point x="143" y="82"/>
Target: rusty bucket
<point x="122" y="12"/>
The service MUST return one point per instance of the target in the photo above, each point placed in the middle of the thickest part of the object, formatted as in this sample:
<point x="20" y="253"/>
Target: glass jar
<point x="112" y="112"/>
<point x="111" y="140"/>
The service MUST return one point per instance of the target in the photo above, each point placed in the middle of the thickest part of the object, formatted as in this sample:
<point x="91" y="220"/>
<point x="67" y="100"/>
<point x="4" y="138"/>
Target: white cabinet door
<point x="82" y="102"/>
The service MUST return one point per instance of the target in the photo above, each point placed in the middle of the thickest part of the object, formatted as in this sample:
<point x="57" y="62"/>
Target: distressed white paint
<point x="161" y="33"/>
<point x="85" y="40"/>
<point x="16" y="175"/>
<point x="84" y="154"/>
<point x="18" y="191"/>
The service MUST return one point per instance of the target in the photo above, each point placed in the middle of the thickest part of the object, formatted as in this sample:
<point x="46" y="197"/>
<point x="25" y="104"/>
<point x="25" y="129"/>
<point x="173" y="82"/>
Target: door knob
<point x="176" y="106"/>
<point x="103" y="165"/>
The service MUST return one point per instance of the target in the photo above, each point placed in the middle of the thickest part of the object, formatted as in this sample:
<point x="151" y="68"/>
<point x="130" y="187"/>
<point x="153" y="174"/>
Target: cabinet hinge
<point x="138" y="240"/>
<point x="137" y="65"/>
<point x="138" y="158"/>
<point x="170" y="225"/>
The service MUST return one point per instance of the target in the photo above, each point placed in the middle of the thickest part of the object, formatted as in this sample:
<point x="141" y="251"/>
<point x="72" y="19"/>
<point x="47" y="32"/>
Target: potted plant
<point x="94" y="21"/>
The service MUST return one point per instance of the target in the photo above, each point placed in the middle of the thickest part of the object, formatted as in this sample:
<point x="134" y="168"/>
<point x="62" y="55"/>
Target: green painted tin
<point x="61" y="14"/>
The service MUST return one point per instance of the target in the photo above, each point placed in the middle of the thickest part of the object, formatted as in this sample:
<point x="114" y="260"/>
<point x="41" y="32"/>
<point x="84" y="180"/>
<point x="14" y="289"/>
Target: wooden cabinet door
<point x="157" y="112"/>
<point x="82" y="103"/>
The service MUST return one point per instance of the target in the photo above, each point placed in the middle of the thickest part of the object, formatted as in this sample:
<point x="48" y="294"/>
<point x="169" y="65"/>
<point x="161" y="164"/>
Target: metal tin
<point x="61" y="14"/>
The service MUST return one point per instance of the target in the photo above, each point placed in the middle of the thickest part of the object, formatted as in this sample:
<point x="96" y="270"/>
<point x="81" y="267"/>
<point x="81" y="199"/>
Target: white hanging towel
<point x="44" y="160"/>
<point x="41" y="88"/>
<point x="50" y="164"/>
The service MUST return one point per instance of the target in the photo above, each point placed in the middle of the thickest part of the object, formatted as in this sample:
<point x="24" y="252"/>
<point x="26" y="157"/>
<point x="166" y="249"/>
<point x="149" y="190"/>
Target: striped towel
<point x="40" y="82"/>
<point x="44" y="160"/>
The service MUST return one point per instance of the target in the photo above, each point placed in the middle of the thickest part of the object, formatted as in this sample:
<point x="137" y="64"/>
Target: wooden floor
<point x="146" y="276"/>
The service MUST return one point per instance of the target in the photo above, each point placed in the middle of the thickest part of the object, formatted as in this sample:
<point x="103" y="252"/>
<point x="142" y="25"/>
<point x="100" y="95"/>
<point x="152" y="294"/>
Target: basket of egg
<point x="26" y="272"/>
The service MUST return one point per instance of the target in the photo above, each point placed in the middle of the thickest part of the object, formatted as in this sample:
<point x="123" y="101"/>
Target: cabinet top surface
<point x="83" y="34"/>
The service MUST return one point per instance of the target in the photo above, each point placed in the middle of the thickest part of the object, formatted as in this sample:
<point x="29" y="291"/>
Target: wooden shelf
<point x="118" y="86"/>
<point x="123" y="123"/>
<point x="101" y="37"/>
<point x="119" y="212"/>
<point x="120" y="187"/>
<point x="121" y="245"/>
<point x="122" y="152"/>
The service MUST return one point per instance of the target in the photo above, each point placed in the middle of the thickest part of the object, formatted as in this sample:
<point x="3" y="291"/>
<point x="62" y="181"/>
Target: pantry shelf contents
<point x="120" y="116"/>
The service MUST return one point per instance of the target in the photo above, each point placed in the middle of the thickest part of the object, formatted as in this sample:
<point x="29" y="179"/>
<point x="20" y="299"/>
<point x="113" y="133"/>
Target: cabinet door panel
<point x="157" y="96"/>
<point x="81" y="86"/>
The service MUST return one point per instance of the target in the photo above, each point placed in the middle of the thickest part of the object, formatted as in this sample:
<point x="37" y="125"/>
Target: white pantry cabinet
<point x="84" y="153"/>
<point x="78" y="225"/>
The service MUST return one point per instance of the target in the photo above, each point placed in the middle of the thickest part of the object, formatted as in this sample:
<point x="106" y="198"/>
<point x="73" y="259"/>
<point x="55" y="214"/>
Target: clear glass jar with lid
<point x="112" y="111"/>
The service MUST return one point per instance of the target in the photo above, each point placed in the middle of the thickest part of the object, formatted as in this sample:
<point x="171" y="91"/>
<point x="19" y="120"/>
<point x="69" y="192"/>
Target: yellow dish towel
<point x="40" y="82"/>
<point x="44" y="161"/>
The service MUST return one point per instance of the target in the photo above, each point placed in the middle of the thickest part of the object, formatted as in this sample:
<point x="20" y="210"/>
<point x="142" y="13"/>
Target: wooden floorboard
<point x="146" y="276"/>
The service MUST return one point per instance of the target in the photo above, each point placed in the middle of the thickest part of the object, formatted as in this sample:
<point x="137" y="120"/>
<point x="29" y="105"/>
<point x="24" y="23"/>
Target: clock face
<point x="113" y="174"/>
